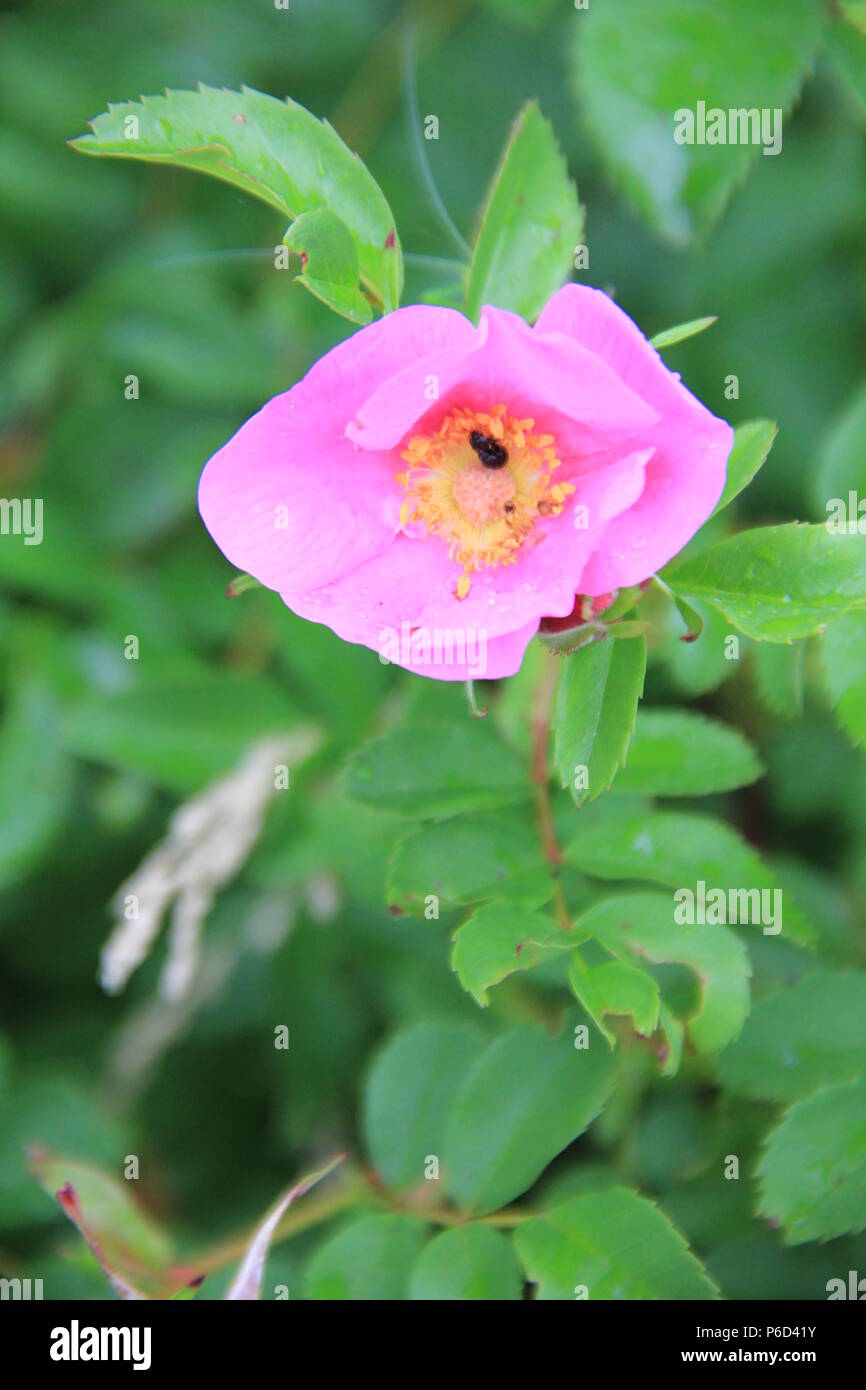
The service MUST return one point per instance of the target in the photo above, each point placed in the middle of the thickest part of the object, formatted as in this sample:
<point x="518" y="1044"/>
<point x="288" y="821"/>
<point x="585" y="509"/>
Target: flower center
<point x="480" y="482"/>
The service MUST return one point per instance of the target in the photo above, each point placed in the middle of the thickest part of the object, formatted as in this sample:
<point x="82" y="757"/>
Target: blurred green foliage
<point x="115" y="271"/>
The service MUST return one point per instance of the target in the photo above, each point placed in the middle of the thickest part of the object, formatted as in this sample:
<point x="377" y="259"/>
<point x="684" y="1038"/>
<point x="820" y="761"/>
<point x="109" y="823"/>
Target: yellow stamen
<point x="485" y="514"/>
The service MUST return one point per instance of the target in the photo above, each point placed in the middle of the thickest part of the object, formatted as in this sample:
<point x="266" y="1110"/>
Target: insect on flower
<point x="444" y="476"/>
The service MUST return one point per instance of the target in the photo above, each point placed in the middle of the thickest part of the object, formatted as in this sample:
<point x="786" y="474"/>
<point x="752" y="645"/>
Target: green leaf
<point x="697" y="667"/>
<point x="615" y="988"/>
<point x="468" y="1262"/>
<point x="531" y="224"/>
<point x="640" y="65"/>
<point x="181" y="734"/>
<point x="779" y="671"/>
<point x="692" y="620"/>
<point x="640" y="927"/>
<point x="854" y="11"/>
<point x="409" y="1094"/>
<point x="275" y="150"/>
<point x="629" y="629"/>
<point x="680" y="753"/>
<point x="675" y="1034"/>
<point x="469" y="859"/>
<point x="35" y="778"/>
<point x="131" y="1248"/>
<point x="810" y="1035"/>
<point x="371" y="1259"/>
<point x="572" y="639"/>
<point x="242" y="584"/>
<point x="330" y="263"/>
<point x="752" y="443"/>
<point x="437" y="769"/>
<point x="500" y="939"/>
<point x="780" y="582"/>
<point x="847" y="48"/>
<point x="525" y="1099"/>
<point x="843" y="659"/>
<point x="594" y="717"/>
<point x="842" y="464"/>
<point x="341" y="683"/>
<point x="613" y="1244"/>
<point x="669" y="336"/>
<point x="54" y="1111"/>
<point x="674" y="849"/>
<point x="813" y="1172"/>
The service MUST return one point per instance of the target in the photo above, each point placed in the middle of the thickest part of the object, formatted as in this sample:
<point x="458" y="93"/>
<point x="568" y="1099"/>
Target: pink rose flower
<point x="429" y="477"/>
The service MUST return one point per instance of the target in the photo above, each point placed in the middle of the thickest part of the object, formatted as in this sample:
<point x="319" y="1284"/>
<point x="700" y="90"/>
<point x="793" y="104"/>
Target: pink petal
<point x="686" y="475"/>
<point x="411" y="585"/>
<point x="536" y="375"/>
<point x="289" y="498"/>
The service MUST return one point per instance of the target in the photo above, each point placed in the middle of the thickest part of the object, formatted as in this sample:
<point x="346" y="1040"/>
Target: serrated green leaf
<point x="330" y="263"/>
<point x="752" y="443"/>
<point x="808" y="1036"/>
<point x="843" y="659"/>
<point x="669" y="336"/>
<point x="780" y="582"/>
<point x="469" y="859"/>
<point x="531" y="224"/>
<point x="638" y="927"/>
<point x="370" y="1259"/>
<point x="468" y="1262"/>
<point x="525" y="1099"/>
<point x="639" y="65"/>
<point x="409" y="1094"/>
<point x="275" y="150"/>
<point x="613" y="1244"/>
<point x="813" y="1171"/>
<point x="500" y="939"/>
<point x="618" y="989"/>
<point x="676" y="752"/>
<point x="680" y="850"/>
<point x="433" y="770"/>
<point x="594" y="716"/>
